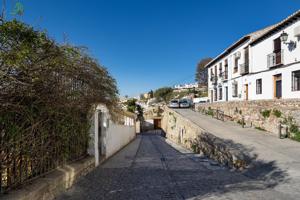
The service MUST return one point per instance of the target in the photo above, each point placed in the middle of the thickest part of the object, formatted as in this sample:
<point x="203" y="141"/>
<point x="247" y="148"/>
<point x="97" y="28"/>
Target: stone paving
<point x="153" y="168"/>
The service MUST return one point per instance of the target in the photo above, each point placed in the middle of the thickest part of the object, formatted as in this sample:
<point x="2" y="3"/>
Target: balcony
<point x="275" y="59"/>
<point x="224" y="76"/>
<point x="244" y="68"/>
<point x="214" y="79"/>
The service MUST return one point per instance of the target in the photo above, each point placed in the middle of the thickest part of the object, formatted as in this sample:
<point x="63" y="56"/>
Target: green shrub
<point x="266" y="113"/>
<point x="277" y="113"/>
<point x="47" y="92"/>
<point x="297" y="137"/>
<point x="260" y="128"/>
<point x="195" y="147"/>
<point x="210" y="112"/>
<point x="241" y="122"/>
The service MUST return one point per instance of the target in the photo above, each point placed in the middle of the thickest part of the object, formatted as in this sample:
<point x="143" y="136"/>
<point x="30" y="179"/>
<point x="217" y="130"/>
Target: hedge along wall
<point x="46" y="93"/>
<point x="263" y="114"/>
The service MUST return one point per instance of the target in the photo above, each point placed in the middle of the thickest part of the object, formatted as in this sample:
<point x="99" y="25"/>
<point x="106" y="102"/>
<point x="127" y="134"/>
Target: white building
<point x="261" y="65"/>
<point x="187" y="86"/>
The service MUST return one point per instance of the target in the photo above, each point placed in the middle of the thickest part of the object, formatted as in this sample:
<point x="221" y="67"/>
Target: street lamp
<point x="284" y="37"/>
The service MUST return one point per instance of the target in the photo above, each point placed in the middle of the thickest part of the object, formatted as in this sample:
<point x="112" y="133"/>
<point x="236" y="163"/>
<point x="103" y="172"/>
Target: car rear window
<point x="174" y="101"/>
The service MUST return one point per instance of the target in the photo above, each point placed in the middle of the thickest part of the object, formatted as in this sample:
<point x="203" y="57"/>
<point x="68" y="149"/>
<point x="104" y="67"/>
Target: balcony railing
<point x="224" y="76"/>
<point x="275" y="59"/>
<point x="220" y="74"/>
<point x="244" y="68"/>
<point x="214" y="79"/>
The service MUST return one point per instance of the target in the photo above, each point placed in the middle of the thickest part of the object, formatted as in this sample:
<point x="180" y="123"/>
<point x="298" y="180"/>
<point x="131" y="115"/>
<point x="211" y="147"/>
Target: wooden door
<point x="157" y="124"/>
<point x="277" y="86"/>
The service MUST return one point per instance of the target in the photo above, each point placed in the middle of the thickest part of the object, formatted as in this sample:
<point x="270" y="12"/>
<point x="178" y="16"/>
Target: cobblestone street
<point x="151" y="168"/>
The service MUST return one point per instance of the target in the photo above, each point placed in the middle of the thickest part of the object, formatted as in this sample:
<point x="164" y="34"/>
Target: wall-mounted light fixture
<point x="284" y="37"/>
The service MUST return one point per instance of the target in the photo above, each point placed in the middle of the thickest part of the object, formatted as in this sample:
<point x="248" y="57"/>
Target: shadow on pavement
<point x="176" y="176"/>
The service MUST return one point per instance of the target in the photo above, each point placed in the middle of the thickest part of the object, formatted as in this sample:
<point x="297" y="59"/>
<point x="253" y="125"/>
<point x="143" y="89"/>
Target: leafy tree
<point x="151" y="95"/>
<point x="18" y="9"/>
<point x="163" y="93"/>
<point x="47" y="91"/>
<point x="131" y="105"/>
<point x="140" y="112"/>
<point x="201" y="71"/>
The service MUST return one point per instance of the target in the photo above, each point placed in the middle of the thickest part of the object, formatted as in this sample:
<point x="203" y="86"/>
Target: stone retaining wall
<point x="50" y="185"/>
<point x="186" y="133"/>
<point x="262" y="114"/>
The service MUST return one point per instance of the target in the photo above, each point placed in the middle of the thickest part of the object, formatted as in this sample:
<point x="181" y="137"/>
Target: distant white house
<point x="261" y="65"/>
<point x="187" y="86"/>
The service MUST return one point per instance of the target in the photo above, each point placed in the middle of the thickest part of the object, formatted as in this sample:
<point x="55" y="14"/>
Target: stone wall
<point x="186" y="133"/>
<point x="52" y="184"/>
<point x="262" y="114"/>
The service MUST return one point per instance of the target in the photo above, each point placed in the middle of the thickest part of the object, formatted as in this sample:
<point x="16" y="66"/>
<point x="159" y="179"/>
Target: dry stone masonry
<point x="262" y="114"/>
<point x="184" y="132"/>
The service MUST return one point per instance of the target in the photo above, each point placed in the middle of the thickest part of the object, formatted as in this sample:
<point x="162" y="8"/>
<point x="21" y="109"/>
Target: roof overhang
<point x="281" y="25"/>
<point x="228" y="50"/>
<point x="255" y="40"/>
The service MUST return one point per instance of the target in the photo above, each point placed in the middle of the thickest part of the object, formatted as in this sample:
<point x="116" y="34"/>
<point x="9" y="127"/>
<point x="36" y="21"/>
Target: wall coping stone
<point x="48" y="186"/>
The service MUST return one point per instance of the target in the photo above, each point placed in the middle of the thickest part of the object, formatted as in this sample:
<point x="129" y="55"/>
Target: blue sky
<point x="146" y="44"/>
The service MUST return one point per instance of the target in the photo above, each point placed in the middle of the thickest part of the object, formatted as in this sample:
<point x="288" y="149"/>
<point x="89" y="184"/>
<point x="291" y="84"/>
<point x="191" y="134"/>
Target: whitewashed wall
<point x="114" y="136"/>
<point x="291" y="58"/>
<point x="258" y="69"/>
<point x="117" y="136"/>
<point x="231" y="76"/>
<point x="265" y="47"/>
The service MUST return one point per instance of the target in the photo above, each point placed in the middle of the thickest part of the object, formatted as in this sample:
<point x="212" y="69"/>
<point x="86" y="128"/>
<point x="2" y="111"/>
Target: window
<point x="234" y="89"/>
<point x="220" y="70"/>
<point x="246" y="54"/>
<point x="258" y="86"/>
<point x="220" y="93"/>
<point x="226" y="69"/>
<point x="215" y="95"/>
<point x="216" y="71"/>
<point x="236" y="64"/>
<point x="296" y="80"/>
<point x="226" y="63"/>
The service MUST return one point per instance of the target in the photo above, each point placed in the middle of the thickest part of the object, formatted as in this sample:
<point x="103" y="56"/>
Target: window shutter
<point x="277" y="45"/>
<point x="234" y="89"/>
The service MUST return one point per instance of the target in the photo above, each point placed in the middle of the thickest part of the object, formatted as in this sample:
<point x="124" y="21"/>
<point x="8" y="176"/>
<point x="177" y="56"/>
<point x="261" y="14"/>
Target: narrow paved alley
<point x="152" y="168"/>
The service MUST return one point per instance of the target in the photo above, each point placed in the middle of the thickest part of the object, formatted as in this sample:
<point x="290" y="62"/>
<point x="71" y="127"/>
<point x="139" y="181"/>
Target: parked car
<point x="184" y="103"/>
<point x="174" y="103"/>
